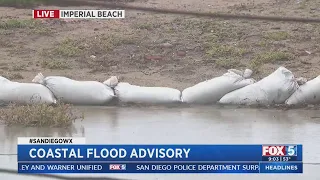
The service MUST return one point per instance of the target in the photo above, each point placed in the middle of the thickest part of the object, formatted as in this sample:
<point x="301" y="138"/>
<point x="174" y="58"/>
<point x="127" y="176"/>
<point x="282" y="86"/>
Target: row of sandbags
<point x="52" y="88"/>
<point x="208" y="92"/>
<point x="280" y="87"/>
<point x="49" y="89"/>
<point x="233" y="87"/>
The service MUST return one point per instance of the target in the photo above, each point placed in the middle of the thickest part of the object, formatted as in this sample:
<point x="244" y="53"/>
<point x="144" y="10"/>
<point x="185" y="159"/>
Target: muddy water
<point x="201" y="125"/>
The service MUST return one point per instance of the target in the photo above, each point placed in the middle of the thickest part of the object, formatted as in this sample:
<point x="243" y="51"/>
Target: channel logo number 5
<point x="291" y="150"/>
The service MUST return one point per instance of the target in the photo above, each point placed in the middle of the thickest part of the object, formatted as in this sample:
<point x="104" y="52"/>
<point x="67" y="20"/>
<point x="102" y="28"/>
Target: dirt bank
<point x="161" y="49"/>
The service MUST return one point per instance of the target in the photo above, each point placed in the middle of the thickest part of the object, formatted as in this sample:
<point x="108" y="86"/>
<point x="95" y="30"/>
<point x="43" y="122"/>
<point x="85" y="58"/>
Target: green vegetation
<point x="228" y="63"/>
<point x="145" y="25"/>
<point x="42" y="115"/>
<point x="269" y="57"/>
<point x="264" y="43"/>
<point x="225" y="50"/>
<point x="105" y="43"/>
<point x="18" y="23"/>
<point x="42" y="30"/>
<point x="35" y="27"/>
<point x="67" y="48"/>
<point x="277" y="36"/>
<point x="54" y="64"/>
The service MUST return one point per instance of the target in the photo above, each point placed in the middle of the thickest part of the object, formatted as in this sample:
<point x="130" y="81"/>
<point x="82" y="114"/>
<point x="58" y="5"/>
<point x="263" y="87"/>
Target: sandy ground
<point x="162" y="49"/>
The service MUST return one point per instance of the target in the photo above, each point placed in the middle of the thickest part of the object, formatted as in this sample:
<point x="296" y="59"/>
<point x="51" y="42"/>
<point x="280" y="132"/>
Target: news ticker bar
<point x="258" y="167"/>
<point x="159" y="153"/>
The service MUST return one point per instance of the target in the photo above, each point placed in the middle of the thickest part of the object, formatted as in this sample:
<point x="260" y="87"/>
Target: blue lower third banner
<point x="159" y="153"/>
<point x="82" y="167"/>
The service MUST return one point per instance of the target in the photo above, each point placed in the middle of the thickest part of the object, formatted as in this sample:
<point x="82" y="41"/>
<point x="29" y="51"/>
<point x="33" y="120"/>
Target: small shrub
<point x="42" y="115"/>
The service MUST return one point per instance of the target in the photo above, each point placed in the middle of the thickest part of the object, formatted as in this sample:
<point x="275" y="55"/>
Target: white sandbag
<point x="128" y="93"/>
<point x="112" y="81"/>
<point x="211" y="91"/>
<point x="301" y="80"/>
<point x="76" y="92"/>
<point x="273" y="89"/>
<point x="3" y="79"/>
<point x="24" y="93"/>
<point x="308" y="93"/>
<point x="246" y="73"/>
<point x="240" y="73"/>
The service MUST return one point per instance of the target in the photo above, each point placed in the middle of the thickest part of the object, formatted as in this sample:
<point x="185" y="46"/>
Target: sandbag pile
<point x="127" y="93"/>
<point x="308" y="93"/>
<point x="233" y="87"/>
<point x="273" y="89"/>
<point x="211" y="91"/>
<point x="76" y="92"/>
<point x="24" y="93"/>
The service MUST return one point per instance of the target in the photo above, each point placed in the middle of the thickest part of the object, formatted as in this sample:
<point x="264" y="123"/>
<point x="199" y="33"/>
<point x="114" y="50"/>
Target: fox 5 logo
<point x="279" y="150"/>
<point x="117" y="167"/>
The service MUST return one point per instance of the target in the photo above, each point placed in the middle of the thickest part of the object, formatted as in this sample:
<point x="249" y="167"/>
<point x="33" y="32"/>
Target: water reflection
<point x="189" y="125"/>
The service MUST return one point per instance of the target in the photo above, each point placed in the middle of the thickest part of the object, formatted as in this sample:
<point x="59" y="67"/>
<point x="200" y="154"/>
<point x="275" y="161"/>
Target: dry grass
<point x="43" y="115"/>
